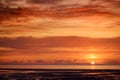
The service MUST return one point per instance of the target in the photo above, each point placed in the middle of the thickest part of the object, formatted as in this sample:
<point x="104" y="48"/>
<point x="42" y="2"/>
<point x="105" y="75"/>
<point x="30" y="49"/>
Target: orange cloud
<point x="32" y="19"/>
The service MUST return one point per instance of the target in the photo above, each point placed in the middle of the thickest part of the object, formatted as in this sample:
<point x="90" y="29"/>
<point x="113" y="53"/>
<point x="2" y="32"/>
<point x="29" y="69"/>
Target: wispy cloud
<point x="32" y="16"/>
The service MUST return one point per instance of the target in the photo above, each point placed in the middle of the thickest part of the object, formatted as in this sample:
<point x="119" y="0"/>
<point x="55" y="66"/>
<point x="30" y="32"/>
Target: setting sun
<point x="92" y="62"/>
<point x="92" y="58"/>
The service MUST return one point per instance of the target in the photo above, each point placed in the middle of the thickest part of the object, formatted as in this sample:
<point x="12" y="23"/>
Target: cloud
<point x="44" y="1"/>
<point x="62" y="11"/>
<point x="6" y="50"/>
<point x="109" y="5"/>
<point x="13" y="3"/>
<point x="111" y="61"/>
<point x="42" y="62"/>
<point x="30" y="18"/>
<point x="37" y="22"/>
<point x="59" y="42"/>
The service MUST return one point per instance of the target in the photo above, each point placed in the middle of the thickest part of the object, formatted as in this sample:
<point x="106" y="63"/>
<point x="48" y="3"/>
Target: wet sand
<point x="59" y="74"/>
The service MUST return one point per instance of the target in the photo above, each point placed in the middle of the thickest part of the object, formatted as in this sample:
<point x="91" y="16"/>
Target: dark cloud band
<point x="43" y="1"/>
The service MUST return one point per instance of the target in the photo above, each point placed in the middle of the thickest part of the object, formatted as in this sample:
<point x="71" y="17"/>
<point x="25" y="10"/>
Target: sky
<point x="59" y="31"/>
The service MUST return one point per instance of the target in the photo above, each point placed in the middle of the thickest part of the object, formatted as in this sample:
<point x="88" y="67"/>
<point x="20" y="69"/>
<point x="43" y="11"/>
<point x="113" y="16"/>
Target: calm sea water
<point x="61" y="66"/>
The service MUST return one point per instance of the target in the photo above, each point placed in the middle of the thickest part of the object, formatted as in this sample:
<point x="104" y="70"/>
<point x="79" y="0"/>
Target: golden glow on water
<point x="61" y="66"/>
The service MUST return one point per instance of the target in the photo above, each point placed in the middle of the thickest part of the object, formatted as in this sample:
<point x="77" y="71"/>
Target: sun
<point x="92" y="62"/>
<point x="93" y="58"/>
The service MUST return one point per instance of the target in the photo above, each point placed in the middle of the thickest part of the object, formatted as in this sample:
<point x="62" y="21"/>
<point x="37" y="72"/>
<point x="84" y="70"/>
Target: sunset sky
<point x="59" y="31"/>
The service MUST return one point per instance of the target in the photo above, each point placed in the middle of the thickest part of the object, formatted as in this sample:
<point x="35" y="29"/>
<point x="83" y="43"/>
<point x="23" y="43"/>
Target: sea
<point x="60" y="66"/>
